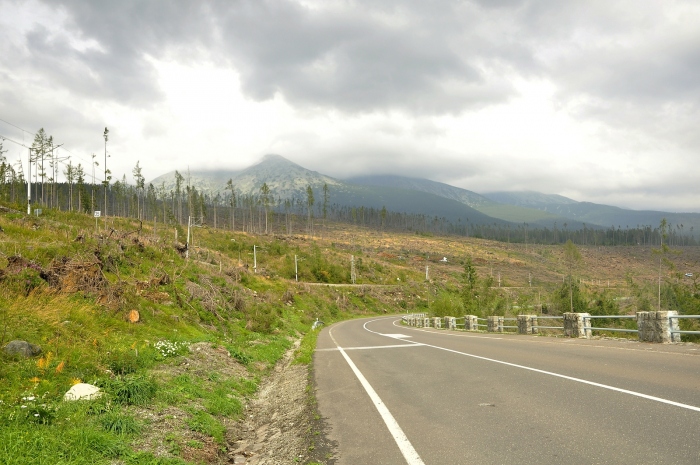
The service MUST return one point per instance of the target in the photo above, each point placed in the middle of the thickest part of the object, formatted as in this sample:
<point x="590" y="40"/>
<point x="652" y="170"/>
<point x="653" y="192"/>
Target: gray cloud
<point x="354" y="60"/>
<point x="441" y="57"/>
<point x="629" y="68"/>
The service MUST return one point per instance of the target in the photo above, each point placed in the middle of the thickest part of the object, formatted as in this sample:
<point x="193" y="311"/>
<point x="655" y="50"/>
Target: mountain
<point x="598" y="214"/>
<point x="209" y="182"/>
<point x="529" y="199"/>
<point x="487" y="206"/>
<point x="464" y="196"/>
<point x="285" y="179"/>
<point x="288" y="180"/>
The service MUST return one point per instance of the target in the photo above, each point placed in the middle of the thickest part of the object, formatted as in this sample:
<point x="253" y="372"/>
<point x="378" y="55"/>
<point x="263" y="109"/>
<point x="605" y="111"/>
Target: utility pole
<point x="190" y="224"/>
<point x="187" y="244"/>
<point x="29" y="185"/>
<point x="353" y="275"/>
<point x="106" y="136"/>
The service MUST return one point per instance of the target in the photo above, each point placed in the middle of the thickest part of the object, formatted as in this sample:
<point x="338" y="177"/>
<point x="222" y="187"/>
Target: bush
<point x="119" y="423"/>
<point x="122" y="362"/>
<point x="131" y="389"/>
<point x="447" y="305"/>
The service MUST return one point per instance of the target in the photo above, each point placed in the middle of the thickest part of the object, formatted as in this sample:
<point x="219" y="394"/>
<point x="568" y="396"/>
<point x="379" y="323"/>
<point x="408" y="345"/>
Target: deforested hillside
<point x="179" y="336"/>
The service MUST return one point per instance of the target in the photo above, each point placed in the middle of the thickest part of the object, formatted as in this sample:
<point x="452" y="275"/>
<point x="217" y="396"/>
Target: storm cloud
<point x="395" y="87"/>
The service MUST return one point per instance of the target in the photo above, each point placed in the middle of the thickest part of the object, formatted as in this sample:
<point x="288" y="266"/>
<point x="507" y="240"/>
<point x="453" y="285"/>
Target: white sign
<point x="98" y="213"/>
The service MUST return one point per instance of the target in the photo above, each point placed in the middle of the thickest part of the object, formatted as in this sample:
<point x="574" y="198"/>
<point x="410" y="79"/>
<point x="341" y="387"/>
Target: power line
<point x="18" y="143"/>
<point x="80" y="158"/>
<point x="15" y="126"/>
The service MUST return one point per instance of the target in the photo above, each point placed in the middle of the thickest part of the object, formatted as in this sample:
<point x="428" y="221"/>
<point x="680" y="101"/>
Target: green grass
<point x="304" y="354"/>
<point x="85" y="336"/>
<point x="205" y="423"/>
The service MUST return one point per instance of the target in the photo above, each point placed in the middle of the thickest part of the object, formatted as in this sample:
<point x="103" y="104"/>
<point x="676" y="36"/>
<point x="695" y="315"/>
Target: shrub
<point x="119" y="423"/>
<point x="122" y="362"/>
<point x="131" y="389"/>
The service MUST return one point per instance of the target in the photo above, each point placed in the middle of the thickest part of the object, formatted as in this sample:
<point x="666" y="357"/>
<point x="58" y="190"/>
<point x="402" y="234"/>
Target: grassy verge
<point x="176" y="377"/>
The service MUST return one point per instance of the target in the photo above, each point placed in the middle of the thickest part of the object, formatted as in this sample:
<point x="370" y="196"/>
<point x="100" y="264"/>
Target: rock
<point x="23" y="348"/>
<point x="82" y="391"/>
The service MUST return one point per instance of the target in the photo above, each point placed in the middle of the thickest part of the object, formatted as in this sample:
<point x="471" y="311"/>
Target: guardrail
<point x="662" y="326"/>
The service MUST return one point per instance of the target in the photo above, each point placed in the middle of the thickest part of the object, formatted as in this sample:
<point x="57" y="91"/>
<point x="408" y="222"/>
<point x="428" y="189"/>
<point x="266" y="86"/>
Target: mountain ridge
<point x="289" y="180"/>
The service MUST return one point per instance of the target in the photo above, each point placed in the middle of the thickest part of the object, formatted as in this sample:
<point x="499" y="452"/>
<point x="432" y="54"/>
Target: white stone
<point x="82" y="391"/>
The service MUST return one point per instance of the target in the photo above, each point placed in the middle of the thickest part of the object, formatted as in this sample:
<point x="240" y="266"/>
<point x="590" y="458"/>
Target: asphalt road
<point x="392" y="394"/>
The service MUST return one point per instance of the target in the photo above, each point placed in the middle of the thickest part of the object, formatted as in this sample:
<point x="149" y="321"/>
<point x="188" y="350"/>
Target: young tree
<point x="325" y="203"/>
<point x="265" y="191"/>
<point x="309" y="206"/>
<point x="572" y="257"/>
<point x="80" y="184"/>
<point x="469" y="285"/>
<point x="69" y="173"/>
<point x="39" y="150"/>
<point x="178" y="193"/>
<point x="140" y="185"/>
<point x="4" y="170"/>
<point x="232" y="203"/>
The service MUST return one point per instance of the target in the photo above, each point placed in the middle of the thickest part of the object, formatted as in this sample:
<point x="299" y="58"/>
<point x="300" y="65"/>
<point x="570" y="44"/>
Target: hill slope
<point x="598" y="214"/>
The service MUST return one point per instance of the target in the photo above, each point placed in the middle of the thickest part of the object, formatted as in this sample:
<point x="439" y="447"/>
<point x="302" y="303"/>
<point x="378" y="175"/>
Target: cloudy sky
<point x="597" y="100"/>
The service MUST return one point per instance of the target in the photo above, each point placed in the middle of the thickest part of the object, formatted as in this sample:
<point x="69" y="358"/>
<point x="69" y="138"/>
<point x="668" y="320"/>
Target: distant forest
<point x="265" y="213"/>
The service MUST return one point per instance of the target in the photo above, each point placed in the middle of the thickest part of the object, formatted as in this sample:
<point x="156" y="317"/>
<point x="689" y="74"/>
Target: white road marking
<point x="370" y="347"/>
<point x="558" y="375"/>
<point x="397" y="336"/>
<point x="405" y="446"/>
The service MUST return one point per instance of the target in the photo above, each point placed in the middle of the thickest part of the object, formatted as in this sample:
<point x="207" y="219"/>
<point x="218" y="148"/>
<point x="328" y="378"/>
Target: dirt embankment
<point x="279" y="424"/>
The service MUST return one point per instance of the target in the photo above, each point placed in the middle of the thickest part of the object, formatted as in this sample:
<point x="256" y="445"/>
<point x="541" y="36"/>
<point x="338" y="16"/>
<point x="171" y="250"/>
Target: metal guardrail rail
<point x="697" y="317"/>
<point x="460" y="322"/>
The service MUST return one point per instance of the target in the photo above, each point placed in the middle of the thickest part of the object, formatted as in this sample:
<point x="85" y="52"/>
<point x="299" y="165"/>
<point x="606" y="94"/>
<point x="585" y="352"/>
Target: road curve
<point x="392" y="394"/>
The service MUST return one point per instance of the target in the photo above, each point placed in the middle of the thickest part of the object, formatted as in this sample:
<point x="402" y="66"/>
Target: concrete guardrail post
<point x="426" y="322"/>
<point x="576" y="324"/>
<point x="437" y="322"/>
<point x="470" y="323"/>
<point x="419" y="322"/>
<point x="495" y="324"/>
<point x="526" y="323"/>
<point x="450" y="322"/>
<point x="657" y="327"/>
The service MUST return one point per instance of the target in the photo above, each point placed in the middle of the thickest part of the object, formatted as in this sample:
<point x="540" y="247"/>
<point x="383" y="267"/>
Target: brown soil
<point x="279" y="424"/>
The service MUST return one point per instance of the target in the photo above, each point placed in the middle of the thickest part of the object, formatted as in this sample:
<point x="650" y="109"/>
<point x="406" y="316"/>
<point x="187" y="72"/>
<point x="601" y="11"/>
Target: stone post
<point x="450" y="322"/>
<point x="575" y="325"/>
<point x="437" y="322"/>
<point x="470" y="323"/>
<point x="525" y="323"/>
<point x="495" y="324"/>
<point x="657" y="326"/>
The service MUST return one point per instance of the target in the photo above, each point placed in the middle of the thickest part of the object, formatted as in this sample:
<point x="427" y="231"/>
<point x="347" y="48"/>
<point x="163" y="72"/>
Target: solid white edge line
<point x="570" y="378"/>
<point x="405" y="446"/>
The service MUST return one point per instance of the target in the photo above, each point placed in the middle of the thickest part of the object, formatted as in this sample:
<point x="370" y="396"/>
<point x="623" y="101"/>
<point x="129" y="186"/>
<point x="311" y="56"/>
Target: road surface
<point x="392" y="394"/>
